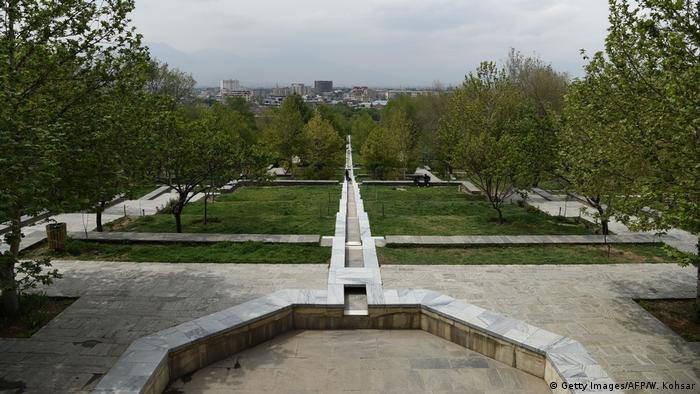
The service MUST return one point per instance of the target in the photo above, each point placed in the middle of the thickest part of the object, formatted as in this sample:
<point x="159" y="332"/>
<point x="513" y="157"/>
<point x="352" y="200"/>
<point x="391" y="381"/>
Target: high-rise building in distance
<point x="323" y="86"/>
<point x="229" y="85"/>
<point x="298" y="88"/>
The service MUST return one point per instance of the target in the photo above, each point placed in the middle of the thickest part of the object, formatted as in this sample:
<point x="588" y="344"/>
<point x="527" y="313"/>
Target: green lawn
<point x="535" y="254"/>
<point x="445" y="211"/>
<point x="251" y="210"/>
<point x="223" y="252"/>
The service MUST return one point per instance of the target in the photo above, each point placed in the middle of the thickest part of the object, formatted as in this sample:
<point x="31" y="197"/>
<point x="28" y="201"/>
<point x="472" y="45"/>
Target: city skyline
<point x="395" y="43"/>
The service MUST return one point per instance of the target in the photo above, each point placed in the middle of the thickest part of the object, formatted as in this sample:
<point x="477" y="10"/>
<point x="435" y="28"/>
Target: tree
<point x="361" y="126"/>
<point x="649" y="94"/>
<point x="162" y="80"/>
<point x="544" y="88"/>
<point x="54" y="55"/>
<point x="482" y="133"/>
<point x="240" y="105"/>
<point x="107" y="158"/>
<point x="381" y="151"/>
<point x="403" y="131"/>
<point x="194" y="154"/>
<point x="285" y="136"/>
<point x="336" y="115"/>
<point x="589" y="150"/>
<point x="325" y="151"/>
<point x="542" y="84"/>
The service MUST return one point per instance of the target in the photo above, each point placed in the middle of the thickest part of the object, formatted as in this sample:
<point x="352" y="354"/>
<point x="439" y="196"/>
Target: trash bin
<point x="56" y="235"/>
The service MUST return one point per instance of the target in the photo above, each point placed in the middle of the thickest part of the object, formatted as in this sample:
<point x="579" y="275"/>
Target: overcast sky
<point x="380" y="42"/>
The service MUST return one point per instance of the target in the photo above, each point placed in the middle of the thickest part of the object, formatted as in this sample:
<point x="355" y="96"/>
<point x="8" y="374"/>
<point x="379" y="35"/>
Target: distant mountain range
<point x="209" y="66"/>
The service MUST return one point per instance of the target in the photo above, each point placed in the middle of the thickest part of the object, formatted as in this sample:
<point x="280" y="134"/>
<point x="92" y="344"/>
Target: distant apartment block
<point x="232" y="88"/>
<point x="229" y="85"/>
<point x="323" y="86"/>
<point x="298" y="88"/>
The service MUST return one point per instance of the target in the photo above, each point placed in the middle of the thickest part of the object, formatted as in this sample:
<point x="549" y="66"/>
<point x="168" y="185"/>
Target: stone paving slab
<point x="458" y="240"/>
<point x="360" y="361"/>
<point x="194" y="237"/>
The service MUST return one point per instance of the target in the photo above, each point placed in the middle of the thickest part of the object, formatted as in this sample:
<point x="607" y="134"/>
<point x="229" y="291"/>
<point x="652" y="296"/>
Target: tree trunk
<point x="178" y="220"/>
<point x="206" y="197"/>
<point x="500" y="214"/>
<point x="98" y="216"/>
<point x="10" y="297"/>
<point x="604" y="226"/>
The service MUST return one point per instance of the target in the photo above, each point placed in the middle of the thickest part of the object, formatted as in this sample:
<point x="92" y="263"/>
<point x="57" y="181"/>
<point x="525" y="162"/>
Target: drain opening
<point x="356" y="301"/>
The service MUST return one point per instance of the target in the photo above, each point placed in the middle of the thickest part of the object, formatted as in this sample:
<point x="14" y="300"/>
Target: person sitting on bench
<point x="426" y="179"/>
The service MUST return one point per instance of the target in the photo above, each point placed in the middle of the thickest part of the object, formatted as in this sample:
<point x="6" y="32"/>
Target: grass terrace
<point x="223" y="252"/>
<point x="412" y="210"/>
<point x="251" y="210"/>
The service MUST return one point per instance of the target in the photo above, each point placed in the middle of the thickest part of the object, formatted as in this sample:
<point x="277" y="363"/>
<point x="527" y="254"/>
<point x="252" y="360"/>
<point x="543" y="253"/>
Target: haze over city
<point x="387" y="43"/>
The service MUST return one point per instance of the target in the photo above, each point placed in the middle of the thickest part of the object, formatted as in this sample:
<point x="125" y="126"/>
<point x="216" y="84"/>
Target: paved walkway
<point x="360" y="361"/>
<point x="555" y="204"/>
<point x="85" y="222"/>
<point x="195" y="237"/>
<point x="120" y="302"/>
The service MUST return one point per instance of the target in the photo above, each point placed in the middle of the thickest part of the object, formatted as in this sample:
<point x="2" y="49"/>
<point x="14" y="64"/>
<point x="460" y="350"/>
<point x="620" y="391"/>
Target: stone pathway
<point x="85" y="222"/>
<point x="563" y="205"/>
<point x="195" y="237"/>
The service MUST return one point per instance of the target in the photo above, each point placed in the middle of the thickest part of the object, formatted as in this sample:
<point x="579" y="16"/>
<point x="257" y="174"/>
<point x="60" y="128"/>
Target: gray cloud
<point x="387" y="42"/>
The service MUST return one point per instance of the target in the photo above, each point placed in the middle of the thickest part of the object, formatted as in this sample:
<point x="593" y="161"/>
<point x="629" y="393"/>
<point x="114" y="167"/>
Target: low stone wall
<point x="152" y="362"/>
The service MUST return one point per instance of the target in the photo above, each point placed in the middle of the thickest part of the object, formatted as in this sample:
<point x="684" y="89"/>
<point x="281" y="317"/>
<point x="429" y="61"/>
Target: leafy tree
<point x="194" y="154"/>
<point x="325" y="151"/>
<point x="162" y="80"/>
<point x="107" y="158"/>
<point x="297" y="102"/>
<point x="544" y="88"/>
<point x="403" y="129"/>
<point x="429" y="110"/>
<point x="361" y="126"/>
<point x="53" y="56"/>
<point x="647" y="85"/>
<point x="240" y="105"/>
<point x="589" y="151"/>
<point x="482" y="132"/>
<point x="381" y="151"/>
<point x="285" y="136"/>
<point x="543" y="85"/>
<point x="336" y="117"/>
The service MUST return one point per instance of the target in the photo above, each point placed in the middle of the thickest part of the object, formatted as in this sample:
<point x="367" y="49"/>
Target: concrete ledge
<point x="136" y="237"/>
<point x="150" y="363"/>
<point x="408" y="183"/>
<point x="301" y="182"/>
<point x="464" y="240"/>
